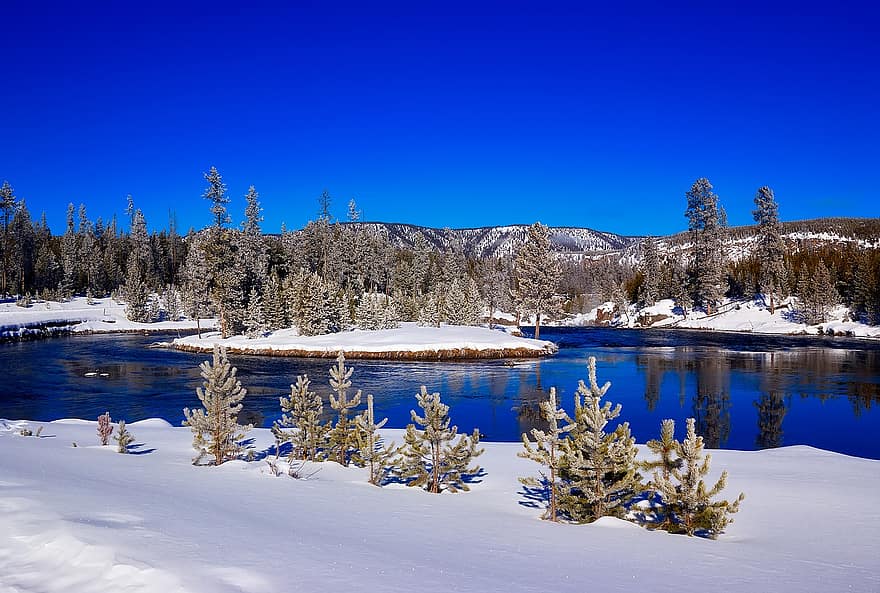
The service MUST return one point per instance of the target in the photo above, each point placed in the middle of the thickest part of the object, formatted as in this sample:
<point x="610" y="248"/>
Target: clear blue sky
<point x="441" y="114"/>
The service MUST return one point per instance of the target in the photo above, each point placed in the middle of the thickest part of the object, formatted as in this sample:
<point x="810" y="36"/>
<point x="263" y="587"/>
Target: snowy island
<point x="410" y="341"/>
<point x="84" y="518"/>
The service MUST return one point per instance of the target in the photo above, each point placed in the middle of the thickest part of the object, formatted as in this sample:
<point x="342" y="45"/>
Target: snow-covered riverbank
<point x="105" y="315"/>
<point x="737" y="316"/>
<point x="87" y="519"/>
<point x="410" y="341"/>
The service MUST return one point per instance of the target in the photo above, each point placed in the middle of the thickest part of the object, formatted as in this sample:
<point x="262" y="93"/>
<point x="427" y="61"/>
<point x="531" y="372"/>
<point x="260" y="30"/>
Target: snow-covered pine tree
<point x="69" y="256"/>
<point x="274" y="306"/>
<point x="600" y="467"/>
<point x="254" y="324"/>
<point x="123" y="438"/>
<point x="538" y="274"/>
<point x="824" y="294"/>
<point x="493" y="283"/>
<point x="429" y="457"/>
<point x="135" y="293"/>
<point x="547" y="451"/>
<point x="686" y="499"/>
<point x="377" y="459"/>
<point x="216" y="194"/>
<point x="430" y="313"/>
<point x="302" y="412"/>
<point x="370" y="314"/>
<point x="706" y="226"/>
<point x="342" y="440"/>
<point x="667" y="460"/>
<point x="455" y="304"/>
<point x="650" y="290"/>
<point x="172" y="303"/>
<point x="105" y="429"/>
<point x="195" y="288"/>
<point x="215" y="427"/>
<point x="770" y="249"/>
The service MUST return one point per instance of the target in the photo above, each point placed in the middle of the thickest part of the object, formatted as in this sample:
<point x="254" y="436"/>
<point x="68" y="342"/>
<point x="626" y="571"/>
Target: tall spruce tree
<point x="430" y="458"/>
<point x="599" y="466"/>
<point x="770" y="248"/>
<point x="687" y="500"/>
<point x="706" y="226"/>
<point x="8" y="208"/>
<point x="650" y="291"/>
<point x="547" y="451"/>
<point x="215" y="427"/>
<point x="538" y="274"/>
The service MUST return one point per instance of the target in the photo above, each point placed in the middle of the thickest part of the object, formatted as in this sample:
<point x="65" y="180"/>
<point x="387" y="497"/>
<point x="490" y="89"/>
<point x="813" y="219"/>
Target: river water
<point x="746" y="391"/>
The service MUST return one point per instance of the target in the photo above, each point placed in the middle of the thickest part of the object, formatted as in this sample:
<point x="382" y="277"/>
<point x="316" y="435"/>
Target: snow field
<point x="86" y="519"/>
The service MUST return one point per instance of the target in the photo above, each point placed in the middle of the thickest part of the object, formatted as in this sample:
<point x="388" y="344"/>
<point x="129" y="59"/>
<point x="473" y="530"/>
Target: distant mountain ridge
<point x="578" y="242"/>
<point x="499" y="241"/>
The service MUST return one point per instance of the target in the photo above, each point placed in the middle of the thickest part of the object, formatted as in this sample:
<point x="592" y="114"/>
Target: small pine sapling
<point x="123" y="438"/>
<point x="667" y="461"/>
<point x="600" y="467"/>
<point x="547" y="450"/>
<point x="303" y="410"/>
<point x="376" y="458"/>
<point x="343" y="446"/>
<point x="215" y="427"/>
<point x="687" y="502"/>
<point x="104" y="428"/>
<point x="429" y="457"/>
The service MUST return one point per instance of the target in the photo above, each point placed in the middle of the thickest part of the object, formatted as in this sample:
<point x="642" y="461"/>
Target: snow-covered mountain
<point x="501" y="240"/>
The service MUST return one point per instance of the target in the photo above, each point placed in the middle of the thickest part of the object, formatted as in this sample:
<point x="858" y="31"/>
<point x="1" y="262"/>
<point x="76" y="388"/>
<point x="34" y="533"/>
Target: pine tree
<point x="429" y="456"/>
<point x="342" y="436"/>
<point x="430" y="313"/>
<point x="706" y="226"/>
<point x="302" y="412"/>
<point x="8" y="207"/>
<point x="666" y="450"/>
<point x="547" y="450"/>
<point x="770" y="249"/>
<point x="123" y="438"/>
<point x="538" y="274"/>
<point x="599" y="466"/>
<point x="651" y="270"/>
<point x="254" y="323"/>
<point x="136" y="294"/>
<point x="377" y="459"/>
<point x="215" y="427"/>
<point x="824" y="294"/>
<point x="687" y="502"/>
<point x="216" y="194"/>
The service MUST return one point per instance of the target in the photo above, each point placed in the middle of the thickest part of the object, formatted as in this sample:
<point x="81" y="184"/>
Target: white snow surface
<point x="103" y="315"/>
<point x="86" y="519"/>
<point x="409" y="337"/>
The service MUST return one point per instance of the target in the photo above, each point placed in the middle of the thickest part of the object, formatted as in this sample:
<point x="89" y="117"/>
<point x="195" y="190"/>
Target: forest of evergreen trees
<point x="333" y="275"/>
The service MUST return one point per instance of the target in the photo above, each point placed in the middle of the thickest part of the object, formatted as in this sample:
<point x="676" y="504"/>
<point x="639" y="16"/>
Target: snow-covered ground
<point x="410" y="340"/>
<point x="742" y="316"/>
<point x="77" y="315"/>
<point x="83" y="519"/>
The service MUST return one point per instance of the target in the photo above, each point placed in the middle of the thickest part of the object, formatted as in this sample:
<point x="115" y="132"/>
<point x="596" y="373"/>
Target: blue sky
<point x="441" y="114"/>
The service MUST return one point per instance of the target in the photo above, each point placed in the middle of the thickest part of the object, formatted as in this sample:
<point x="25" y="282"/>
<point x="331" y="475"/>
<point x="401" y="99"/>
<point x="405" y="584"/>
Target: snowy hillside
<point x="500" y="240"/>
<point x="85" y="519"/>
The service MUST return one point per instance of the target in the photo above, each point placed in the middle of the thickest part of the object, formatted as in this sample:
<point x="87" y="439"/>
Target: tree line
<point x="331" y="276"/>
